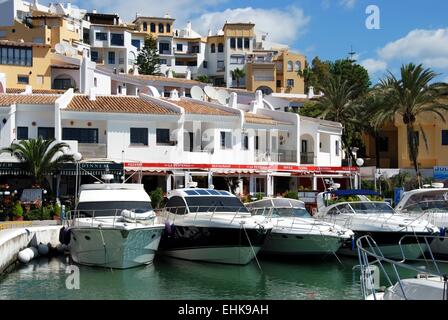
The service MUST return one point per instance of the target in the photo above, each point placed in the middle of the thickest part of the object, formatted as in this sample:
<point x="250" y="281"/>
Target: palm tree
<point x="238" y="74"/>
<point x="203" y="79"/>
<point x="408" y="98"/>
<point x="338" y="104"/>
<point x="41" y="157"/>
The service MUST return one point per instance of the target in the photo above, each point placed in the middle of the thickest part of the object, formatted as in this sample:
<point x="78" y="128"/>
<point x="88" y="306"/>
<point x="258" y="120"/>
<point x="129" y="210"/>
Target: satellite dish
<point x="223" y="96"/>
<point x="59" y="48"/>
<point x="211" y="92"/>
<point x="197" y="93"/>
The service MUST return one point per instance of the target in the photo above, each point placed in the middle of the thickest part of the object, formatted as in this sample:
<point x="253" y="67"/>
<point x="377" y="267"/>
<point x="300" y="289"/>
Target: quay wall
<point x="14" y="240"/>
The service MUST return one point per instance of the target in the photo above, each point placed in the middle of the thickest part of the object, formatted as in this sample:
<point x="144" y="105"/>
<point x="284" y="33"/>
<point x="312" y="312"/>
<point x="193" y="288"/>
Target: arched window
<point x="161" y="28"/>
<point x="168" y="28"/>
<point x="290" y="66"/>
<point x="298" y="66"/>
<point x="213" y="48"/>
<point x="145" y="26"/>
<point x="220" y="47"/>
<point x="153" y="27"/>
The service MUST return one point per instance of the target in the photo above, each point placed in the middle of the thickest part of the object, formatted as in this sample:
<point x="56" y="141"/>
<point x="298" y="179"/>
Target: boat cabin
<point x="279" y="207"/>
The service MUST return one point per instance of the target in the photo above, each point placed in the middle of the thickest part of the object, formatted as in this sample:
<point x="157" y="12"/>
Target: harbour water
<point x="171" y="279"/>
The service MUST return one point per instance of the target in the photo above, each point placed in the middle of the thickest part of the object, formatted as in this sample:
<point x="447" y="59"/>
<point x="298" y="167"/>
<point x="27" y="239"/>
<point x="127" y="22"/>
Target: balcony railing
<point x="92" y="150"/>
<point x="307" y="158"/>
<point x="263" y="78"/>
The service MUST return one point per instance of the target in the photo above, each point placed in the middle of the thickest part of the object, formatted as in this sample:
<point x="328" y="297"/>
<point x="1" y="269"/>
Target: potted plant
<point x="156" y="198"/>
<point x="17" y="211"/>
<point x="56" y="212"/>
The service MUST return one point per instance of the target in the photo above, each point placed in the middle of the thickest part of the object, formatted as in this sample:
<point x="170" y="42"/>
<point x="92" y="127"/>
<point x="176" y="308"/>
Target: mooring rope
<point x="250" y="243"/>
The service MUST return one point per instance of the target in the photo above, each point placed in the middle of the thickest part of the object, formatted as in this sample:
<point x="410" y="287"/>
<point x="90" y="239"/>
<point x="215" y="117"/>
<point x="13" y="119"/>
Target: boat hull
<point x="236" y="246"/>
<point x="299" y="244"/>
<point x="388" y="243"/>
<point x="122" y="249"/>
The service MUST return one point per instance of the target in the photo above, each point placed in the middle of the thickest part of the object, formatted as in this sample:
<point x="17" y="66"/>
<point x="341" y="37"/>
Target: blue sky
<point x="411" y="30"/>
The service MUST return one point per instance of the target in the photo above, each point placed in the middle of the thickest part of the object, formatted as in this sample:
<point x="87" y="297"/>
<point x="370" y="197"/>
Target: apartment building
<point x="167" y="140"/>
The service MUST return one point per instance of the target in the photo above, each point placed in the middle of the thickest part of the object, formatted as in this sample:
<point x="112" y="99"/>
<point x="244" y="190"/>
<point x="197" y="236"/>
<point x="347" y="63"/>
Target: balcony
<point x="307" y="158"/>
<point x="92" y="150"/>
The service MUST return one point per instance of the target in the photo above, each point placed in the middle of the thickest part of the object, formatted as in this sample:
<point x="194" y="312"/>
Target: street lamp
<point x="360" y="163"/>
<point x="77" y="157"/>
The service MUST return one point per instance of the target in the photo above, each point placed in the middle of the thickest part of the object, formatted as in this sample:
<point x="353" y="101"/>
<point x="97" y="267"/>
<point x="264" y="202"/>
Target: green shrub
<point x="47" y="213"/>
<point x="17" y="210"/>
<point x="56" y="210"/>
<point x="33" y="215"/>
<point x="156" y="198"/>
<point x="291" y="195"/>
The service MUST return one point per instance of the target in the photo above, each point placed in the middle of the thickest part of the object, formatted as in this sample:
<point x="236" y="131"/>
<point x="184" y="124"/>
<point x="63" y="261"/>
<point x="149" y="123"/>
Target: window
<point x="176" y="205"/>
<point x="153" y="27"/>
<point x="205" y="64"/>
<point x="338" y="147"/>
<point x="94" y="56"/>
<point x="196" y="49"/>
<point x="180" y="47"/>
<point x="220" y="47"/>
<point x="163" y="136"/>
<point x="45" y="133"/>
<point x="38" y="40"/>
<point x="221" y="66"/>
<point x="23" y="79"/>
<point x="240" y="43"/>
<point x="279" y="83"/>
<point x="111" y="57"/>
<point x="444" y="137"/>
<point x="164" y="48"/>
<point x="62" y="84"/>
<point x="232" y="43"/>
<point x="246" y="43"/>
<point x="226" y="140"/>
<point x="101" y="36"/>
<point x="22" y="133"/>
<point x="236" y="59"/>
<point x="117" y="39"/>
<point x="213" y="48"/>
<point x="161" y="28"/>
<point x="145" y="26"/>
<point x="136" y="43"/>
<point x="168" y="28"/>
<point x="383" y="144"/>
<point x="139" y="136"/>
<point x="290" y="83"/>
<point x="290" y="66"/>
<point x="257" y="143"/>
<point x="95" y="82"/>
<point x="298" y="66"/>
<point x="304" y="146"/>
<point x="16" y="56"/>
<point x="81" y="135"/>
<point x="163" y="61"/>
<point x="40" y="79"/>
<point x="245" y="141"/>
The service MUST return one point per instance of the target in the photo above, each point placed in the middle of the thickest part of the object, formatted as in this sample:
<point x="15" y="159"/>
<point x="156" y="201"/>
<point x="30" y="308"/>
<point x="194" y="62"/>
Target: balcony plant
<point x="56" y="212"/>
<point x="156" y="198"/>
<point x="17" y="211"/>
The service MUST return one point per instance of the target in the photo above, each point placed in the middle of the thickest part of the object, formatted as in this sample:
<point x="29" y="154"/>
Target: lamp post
<point x="360" y="163"/>
<point x="77" y="156"/>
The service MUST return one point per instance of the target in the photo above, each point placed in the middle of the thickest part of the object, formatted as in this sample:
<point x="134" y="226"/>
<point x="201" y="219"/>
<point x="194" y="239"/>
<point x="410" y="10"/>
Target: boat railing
<point x="95" y="217"/>
<point x="202" y="212"/>
<point x="371" y="260"/>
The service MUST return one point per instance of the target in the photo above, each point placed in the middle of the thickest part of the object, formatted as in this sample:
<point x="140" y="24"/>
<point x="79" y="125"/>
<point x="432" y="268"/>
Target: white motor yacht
<point x="430" y="204"/>
<point x="113" y="226"/>
<point x="211" y="226"/>
<point x="395" y="234"/>
<point x="295" y="231"/>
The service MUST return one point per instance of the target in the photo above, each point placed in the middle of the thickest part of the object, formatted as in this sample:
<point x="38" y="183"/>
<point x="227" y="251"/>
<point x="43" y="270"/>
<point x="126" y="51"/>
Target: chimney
<point x="94" y="11"/>
<point x="170" y="74"/>
<point x="310" y="92"/>
<point x="135" y="71"/>
<point x="188" y="76"/>
<point x="92" y="94"/>
<point x="69" y="6"/>
<point x="189" y="28"/>
<point x="258" y="102"/>
<point x="174" y="95"/>
<point x="233" y="102"/>
<point x="210" y="32"/>
<point x="28" y="90"/>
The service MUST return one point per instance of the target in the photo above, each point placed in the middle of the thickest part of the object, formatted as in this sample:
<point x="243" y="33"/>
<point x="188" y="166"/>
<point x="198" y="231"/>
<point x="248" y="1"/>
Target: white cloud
<point x="374" y="66"/>
<point x="282" y="25"/>
<point x="348" y="3"/>
<point x="429" y="47"/>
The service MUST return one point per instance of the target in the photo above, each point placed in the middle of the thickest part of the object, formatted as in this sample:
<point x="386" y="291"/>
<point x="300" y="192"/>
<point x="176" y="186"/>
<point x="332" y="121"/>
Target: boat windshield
<point x="112" y="208"/>
<point x="371" y="207"/>
<point x="215" y="204"/>
<point x="290" y="213"/>
<point x="433" y="201"/>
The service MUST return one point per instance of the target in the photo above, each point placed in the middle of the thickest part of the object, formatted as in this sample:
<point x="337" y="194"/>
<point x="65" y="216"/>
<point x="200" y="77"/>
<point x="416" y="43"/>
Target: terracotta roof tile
<point x="192" y="107"/>
<point x="141" y="77"/>
<point x="9" y="99"/>
<point x="38" y="91"/>
<point x="116" y="104"/>
<point x="259" y="119"/>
